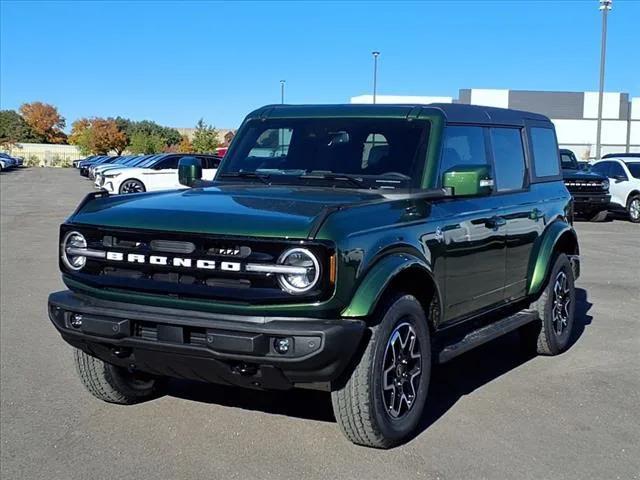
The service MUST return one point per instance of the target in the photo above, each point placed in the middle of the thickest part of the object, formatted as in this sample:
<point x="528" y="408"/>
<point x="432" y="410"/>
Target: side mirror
<point x="620" y="178"/>
<point x="189" y="171"/>
<point x="468" y="180"/>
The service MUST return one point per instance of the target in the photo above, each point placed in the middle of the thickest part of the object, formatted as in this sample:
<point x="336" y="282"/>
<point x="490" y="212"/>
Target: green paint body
<point x="446" y="241"/>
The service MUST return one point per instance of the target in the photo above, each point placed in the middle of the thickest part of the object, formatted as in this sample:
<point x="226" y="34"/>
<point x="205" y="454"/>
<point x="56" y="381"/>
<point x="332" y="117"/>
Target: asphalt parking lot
<point x="493" y="413"/>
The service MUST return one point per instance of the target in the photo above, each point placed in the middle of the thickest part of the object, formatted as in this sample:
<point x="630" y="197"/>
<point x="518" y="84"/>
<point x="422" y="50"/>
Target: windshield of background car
<point x="634" y="168"/>
<point x="568" y="162"/>
<point x="376" y="153"/>
<point x="150" y="162"/>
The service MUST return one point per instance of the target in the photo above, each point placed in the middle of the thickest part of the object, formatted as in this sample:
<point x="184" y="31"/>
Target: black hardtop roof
<point x="452" y="112"/>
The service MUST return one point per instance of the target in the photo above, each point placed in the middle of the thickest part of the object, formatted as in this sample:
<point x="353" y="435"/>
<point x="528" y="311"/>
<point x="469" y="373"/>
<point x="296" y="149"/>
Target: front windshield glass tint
<point x="377" y="152"/>
<point x="568" y="162"/>
<point x="634" y="168"/>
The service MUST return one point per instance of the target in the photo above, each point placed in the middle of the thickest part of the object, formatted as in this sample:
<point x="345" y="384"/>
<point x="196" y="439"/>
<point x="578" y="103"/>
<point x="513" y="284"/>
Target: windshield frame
<point x="238" y="153"/>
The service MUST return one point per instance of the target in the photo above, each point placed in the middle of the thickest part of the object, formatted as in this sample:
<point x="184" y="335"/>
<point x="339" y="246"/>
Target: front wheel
<point x="132" y="186"/>
<point x="598" y="216"/>
<point x="381" y="403"/>
<point x="634" y="209"/>
<point x="113" y="384"/>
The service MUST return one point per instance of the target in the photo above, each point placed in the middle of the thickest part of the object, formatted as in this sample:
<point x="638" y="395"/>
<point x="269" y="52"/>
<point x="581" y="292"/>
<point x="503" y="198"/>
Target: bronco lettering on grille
<point x="202" y="264"/>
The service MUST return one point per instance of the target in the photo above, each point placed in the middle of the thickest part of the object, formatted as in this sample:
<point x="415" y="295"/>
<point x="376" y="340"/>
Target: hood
<point x="241" y="210"/>
<point x="572" y="174"/>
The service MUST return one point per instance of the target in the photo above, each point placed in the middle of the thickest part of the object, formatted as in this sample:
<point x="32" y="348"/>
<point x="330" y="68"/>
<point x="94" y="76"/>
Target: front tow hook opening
<point x="245" y="369"/>
<point x="121" y="352"/>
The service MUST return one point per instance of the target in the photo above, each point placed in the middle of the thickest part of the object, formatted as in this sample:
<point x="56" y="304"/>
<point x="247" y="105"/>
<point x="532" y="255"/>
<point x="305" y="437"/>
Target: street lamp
<point x="605" y="6"/>
<point x="282" y="82"/>
<point x="375" y="73"/>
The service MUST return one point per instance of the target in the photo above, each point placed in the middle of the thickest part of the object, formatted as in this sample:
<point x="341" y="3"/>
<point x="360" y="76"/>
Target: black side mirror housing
<point x="189" y="171"/>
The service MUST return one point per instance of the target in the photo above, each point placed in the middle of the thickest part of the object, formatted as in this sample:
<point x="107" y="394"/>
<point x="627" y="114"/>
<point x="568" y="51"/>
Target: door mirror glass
<point x="468" y="180"/>
<point x="189" y="171"/>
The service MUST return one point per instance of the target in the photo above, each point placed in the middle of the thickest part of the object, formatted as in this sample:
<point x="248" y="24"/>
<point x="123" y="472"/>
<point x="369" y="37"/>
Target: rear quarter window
<point x="545" y="152"/>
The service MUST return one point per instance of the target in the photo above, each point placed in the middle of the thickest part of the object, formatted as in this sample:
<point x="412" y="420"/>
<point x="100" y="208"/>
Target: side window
<point x="508" y="154"/>
<point x="545" y="152"/>
<point x="168" y="163"/>
<point x="602" y="168"/>
<point x="463" y="146"/>
<point x="616" y="171"/>
<point x="375" y="148"/>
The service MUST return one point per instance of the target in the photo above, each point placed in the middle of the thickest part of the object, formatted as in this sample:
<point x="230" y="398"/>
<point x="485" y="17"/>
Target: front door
<point x="471" y="231"/>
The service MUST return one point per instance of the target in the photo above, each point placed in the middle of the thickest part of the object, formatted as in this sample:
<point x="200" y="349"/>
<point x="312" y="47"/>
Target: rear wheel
<point x="556" y="308"/>
<point x="132" y="186"/>
<point x="382" y="402"/>
<point x="633" y="208"/>
<point x="115" y="384"/>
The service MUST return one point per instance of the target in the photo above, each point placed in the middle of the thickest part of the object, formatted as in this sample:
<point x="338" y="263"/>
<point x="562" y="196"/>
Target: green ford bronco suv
<point x="346" y="248"/>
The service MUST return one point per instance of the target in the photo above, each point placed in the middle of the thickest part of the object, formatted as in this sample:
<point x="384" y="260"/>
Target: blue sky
<point x="174" y="62"/>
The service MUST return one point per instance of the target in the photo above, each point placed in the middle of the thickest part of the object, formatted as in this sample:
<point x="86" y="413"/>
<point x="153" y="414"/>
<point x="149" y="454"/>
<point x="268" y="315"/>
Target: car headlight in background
<point x="72" y="242"/>
<point x="297" y="283"/>
<point x="605" y="185"/>
<point x="110" y="175"/>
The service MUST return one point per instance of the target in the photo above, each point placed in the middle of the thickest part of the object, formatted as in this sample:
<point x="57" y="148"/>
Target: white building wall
<point x="610" y="105"/>
<point x="490" y="97"/>
<point x="400" y="99"/>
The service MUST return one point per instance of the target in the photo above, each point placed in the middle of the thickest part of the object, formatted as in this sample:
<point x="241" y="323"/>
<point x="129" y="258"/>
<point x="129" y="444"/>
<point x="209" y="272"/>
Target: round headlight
<point x="605" y="185"/>
<point x="72" y="241"/>
<point x="299" y="282"/>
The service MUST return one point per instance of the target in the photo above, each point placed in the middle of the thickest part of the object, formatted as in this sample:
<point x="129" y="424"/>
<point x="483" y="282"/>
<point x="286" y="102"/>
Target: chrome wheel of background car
<point x="131" y="186"/>
<point x="560" y="307"/>
<point x="634" y="209"/>
<point x="401" y="371"/>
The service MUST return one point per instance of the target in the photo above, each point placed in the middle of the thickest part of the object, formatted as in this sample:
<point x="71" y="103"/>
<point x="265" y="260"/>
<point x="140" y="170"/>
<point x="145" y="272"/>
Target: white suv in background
<point x="624" y="183"/>
<point x="159" y="173"/>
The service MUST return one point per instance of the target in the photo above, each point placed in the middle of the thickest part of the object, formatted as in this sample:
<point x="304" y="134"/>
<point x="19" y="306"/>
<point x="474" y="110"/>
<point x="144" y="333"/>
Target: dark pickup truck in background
<point x="590" y="190"/>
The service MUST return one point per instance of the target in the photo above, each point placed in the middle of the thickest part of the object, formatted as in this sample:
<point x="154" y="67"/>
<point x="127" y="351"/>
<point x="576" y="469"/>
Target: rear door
<point x="516" y="205"/>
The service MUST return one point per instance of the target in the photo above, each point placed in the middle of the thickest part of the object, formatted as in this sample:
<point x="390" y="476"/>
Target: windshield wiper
<point x="264" y="178"/>
<point x="358" y="182"/>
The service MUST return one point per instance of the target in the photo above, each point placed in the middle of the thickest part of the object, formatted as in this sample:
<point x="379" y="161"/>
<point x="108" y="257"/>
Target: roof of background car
<point x="452" y="112"/>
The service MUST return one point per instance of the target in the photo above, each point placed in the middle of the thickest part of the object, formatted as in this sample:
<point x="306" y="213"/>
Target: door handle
<point x="495" y="222"/>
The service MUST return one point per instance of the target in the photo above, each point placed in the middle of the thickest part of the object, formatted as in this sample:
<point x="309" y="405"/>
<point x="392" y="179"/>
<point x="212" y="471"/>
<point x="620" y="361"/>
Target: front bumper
<point x="218" y="348"/>
<point x="590" y="202"/>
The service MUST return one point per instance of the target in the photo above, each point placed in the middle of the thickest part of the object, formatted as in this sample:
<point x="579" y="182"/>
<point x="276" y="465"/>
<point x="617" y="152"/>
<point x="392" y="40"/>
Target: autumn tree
<point x="45" y="121"/>
<point x="14" y="129"/>
<point x="185" y="145"/>
<point x="98" y="136"/>
<point x="205" y="138"/>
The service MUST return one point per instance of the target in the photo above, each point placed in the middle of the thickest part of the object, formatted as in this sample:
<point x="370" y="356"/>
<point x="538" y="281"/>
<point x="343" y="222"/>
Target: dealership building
<point x="573" y="113"/>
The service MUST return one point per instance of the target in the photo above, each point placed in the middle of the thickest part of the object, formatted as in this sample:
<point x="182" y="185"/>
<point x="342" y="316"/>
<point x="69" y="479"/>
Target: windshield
<point x="369" y="153"/>
<point x="149" y="162"/>
<point x="634" y="168"/>
<point x="568" y="161"/>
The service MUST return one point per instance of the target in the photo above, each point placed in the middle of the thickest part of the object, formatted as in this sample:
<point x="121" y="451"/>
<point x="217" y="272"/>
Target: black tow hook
<point x="121" y="352"/>
<point x="245" y="369"/>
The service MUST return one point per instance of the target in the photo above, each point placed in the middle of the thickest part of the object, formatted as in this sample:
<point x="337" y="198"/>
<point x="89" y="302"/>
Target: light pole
<point x="282" y="82"/>
<point x="375" y="73"/>
<point x="605" y="6"/>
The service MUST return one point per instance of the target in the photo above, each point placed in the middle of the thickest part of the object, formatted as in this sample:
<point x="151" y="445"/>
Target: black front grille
<point x="578" y="186"/>
<point x="177" y="279"/>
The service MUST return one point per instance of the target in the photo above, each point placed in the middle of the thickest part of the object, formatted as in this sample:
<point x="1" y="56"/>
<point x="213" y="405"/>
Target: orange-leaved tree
<point x="45" y="121"/>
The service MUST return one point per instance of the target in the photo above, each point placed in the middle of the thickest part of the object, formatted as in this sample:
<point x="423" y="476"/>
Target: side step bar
<point x="486" y="334"/>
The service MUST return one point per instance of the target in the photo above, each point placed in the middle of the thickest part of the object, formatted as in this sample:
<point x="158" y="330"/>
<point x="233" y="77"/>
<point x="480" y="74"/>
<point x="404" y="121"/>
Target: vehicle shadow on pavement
<point x="449" y="382"/>
<point x="463" y="375"/>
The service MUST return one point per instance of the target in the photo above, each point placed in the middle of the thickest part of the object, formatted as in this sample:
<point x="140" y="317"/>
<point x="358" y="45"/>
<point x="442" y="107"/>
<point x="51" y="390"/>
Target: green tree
<point x="146" y="143"/>
<point x="205" y="138"/>
<point x="14" y="129"/>
<point x="170" y="136"/>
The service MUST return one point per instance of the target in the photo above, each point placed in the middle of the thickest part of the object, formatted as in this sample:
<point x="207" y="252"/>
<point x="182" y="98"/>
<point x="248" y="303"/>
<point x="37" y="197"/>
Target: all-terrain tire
<point x="551" y="335"/>
<point x="633" y="209"/>
<point x="598" y="216"/>
<point x="359" y="406"/>
<point x="115" y="384"/>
